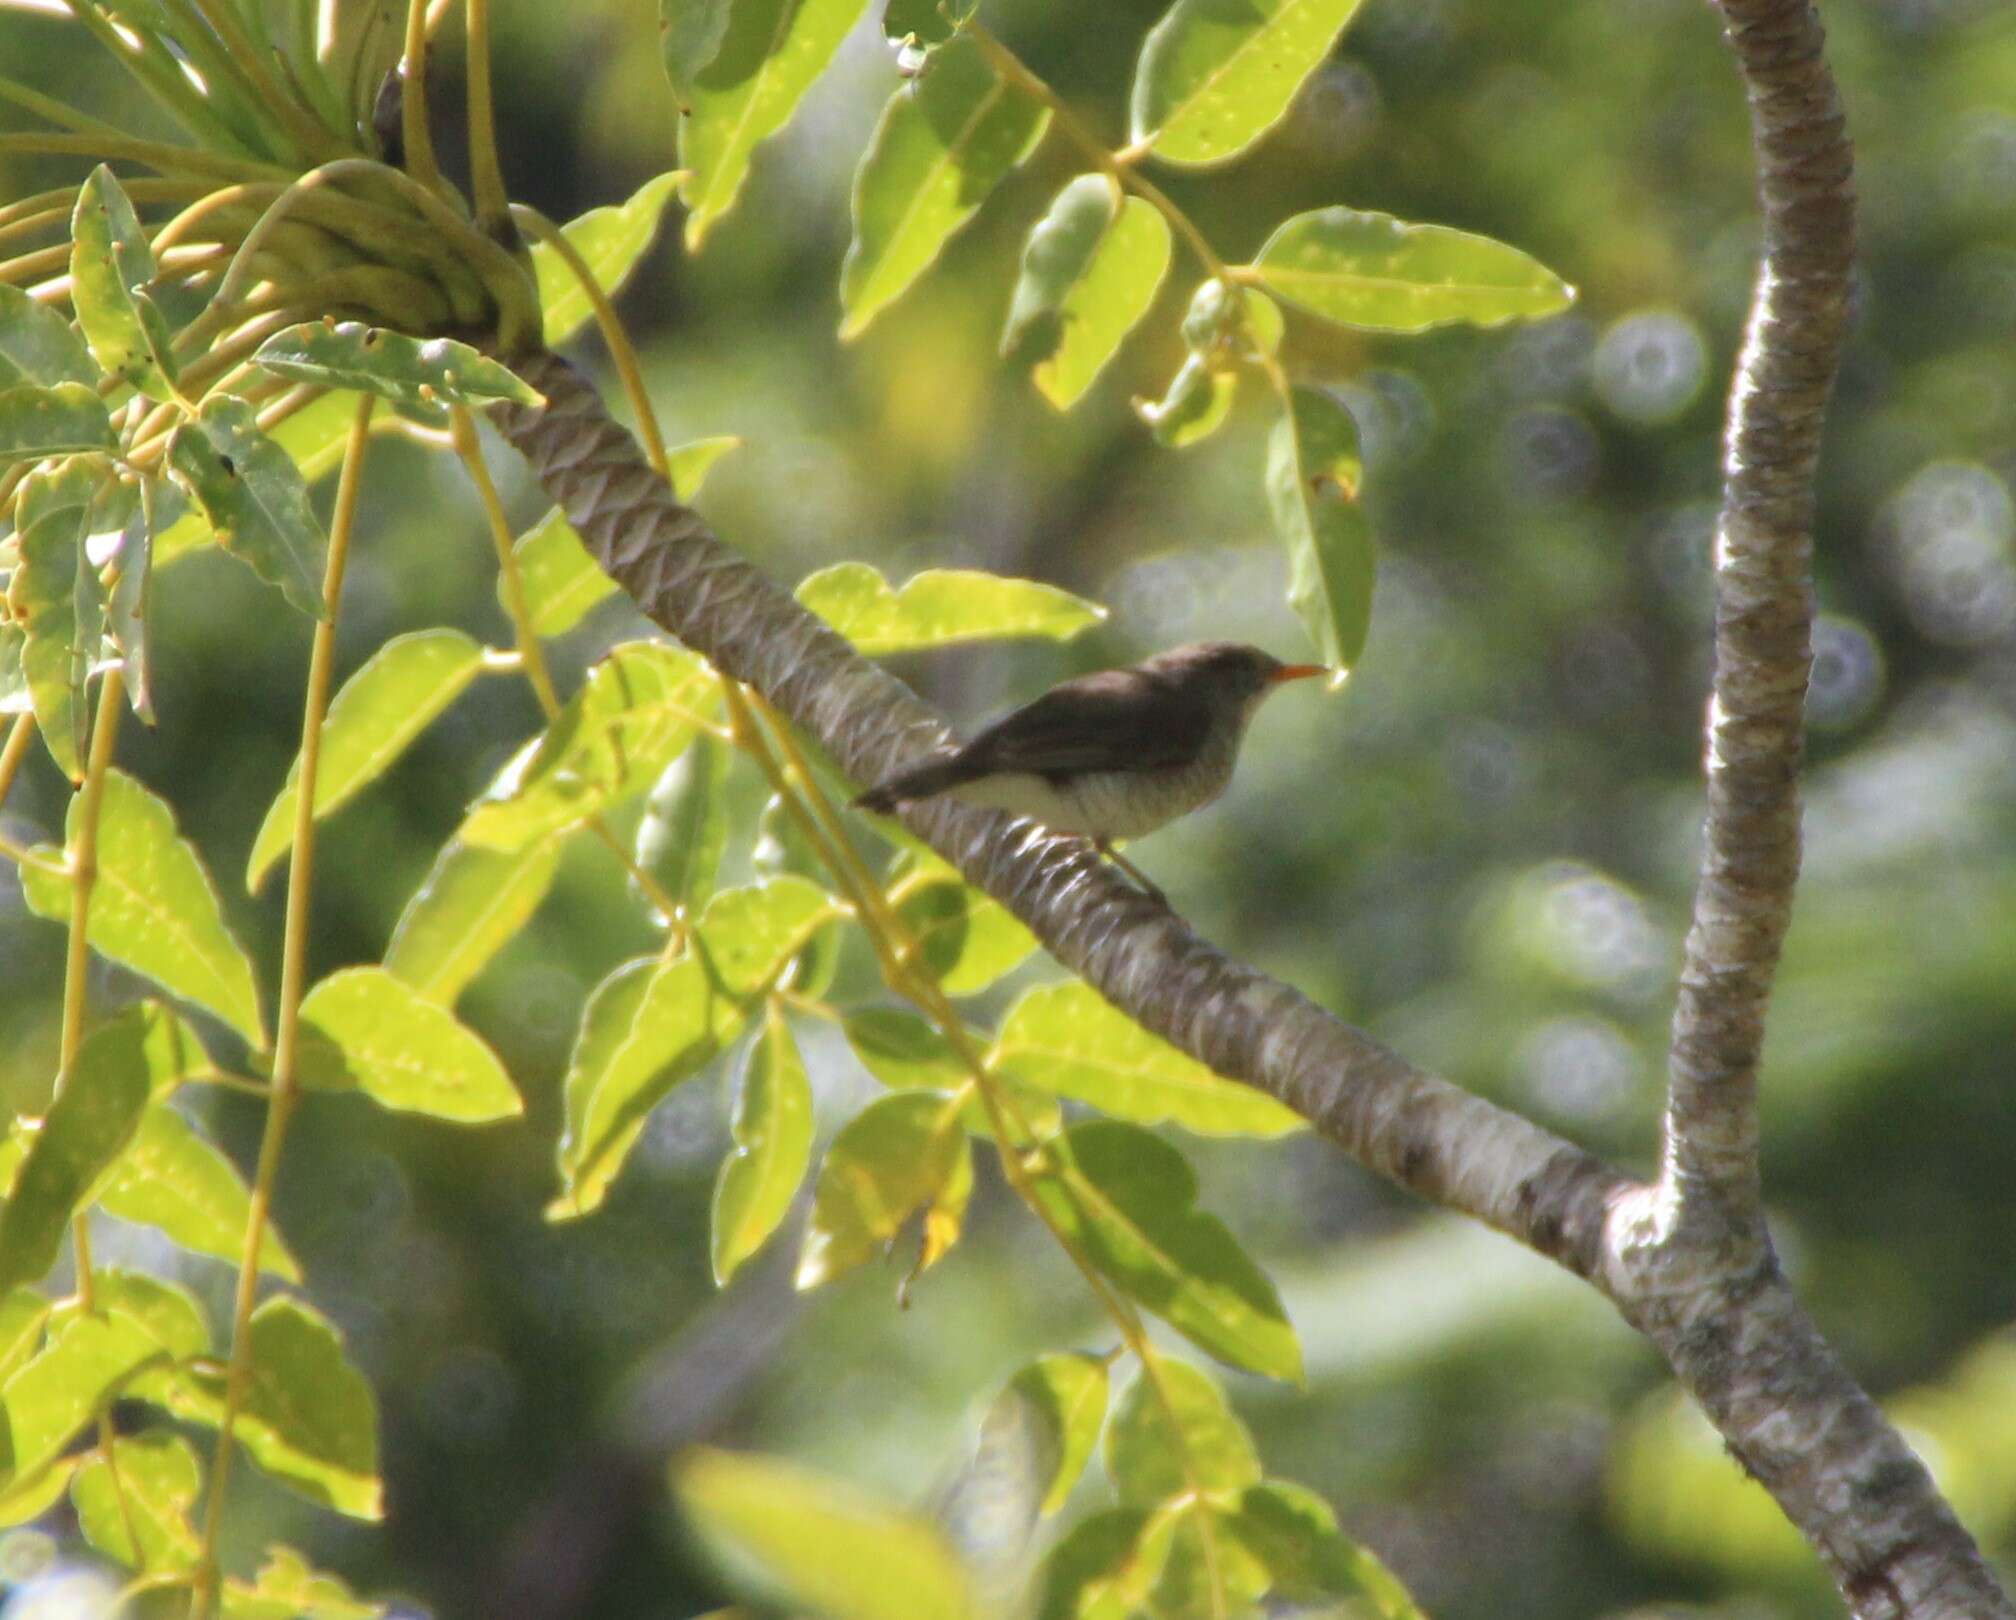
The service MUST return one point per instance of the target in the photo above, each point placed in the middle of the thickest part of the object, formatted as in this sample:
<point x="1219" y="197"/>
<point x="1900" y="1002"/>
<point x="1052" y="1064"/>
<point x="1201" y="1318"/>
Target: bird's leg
<point x="1148" y="884"/>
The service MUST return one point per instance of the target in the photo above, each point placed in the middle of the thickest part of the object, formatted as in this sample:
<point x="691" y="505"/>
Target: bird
<point x="1110" y="755"/>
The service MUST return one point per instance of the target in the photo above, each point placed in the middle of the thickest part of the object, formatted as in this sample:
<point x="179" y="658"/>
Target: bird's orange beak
<point x="1297" y="672"/>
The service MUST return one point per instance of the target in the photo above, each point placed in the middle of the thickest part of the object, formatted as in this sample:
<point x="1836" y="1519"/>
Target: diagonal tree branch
<point x="1685" y="1260"/>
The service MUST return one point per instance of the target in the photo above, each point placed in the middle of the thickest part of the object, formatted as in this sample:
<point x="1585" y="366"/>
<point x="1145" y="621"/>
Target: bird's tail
<point x="919" y="782"/>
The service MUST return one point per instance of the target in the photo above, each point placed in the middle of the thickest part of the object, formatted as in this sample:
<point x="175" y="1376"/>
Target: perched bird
<point x="1112" y="755"/>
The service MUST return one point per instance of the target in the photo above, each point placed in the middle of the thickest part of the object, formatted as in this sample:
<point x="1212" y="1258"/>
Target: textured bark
<point x="1686" y="1261"/>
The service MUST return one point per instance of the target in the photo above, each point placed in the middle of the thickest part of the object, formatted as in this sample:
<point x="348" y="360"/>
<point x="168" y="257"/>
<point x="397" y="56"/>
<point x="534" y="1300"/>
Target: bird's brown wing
<point x="1115" y="720"/>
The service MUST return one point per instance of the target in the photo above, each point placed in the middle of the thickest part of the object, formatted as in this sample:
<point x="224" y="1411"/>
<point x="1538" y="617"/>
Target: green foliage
<point x="133" y="1503"/>
<point x="946" y="139"/>
<point x="364" y="1028"/>
<point x="773" y="1144"/>
<point x="1066" y="1396"/>
<point x="111" y="267"/>
<point x="892" y="1159"/>
<point x="37" y="346"/>
<point x="173" y="1179"/>
<point x="610" y="242"/>
<point x="60" y="419"/>
<point x="689" y="37"/>
<point x="470" y="905"/>
<point x="56" y="599"/>
<point x="683" y="832"/>
<point x="939" y="608"/>
<point x="1313" y="478"/>
<point x="153" y="905"/>
<point x="407" y="371"/>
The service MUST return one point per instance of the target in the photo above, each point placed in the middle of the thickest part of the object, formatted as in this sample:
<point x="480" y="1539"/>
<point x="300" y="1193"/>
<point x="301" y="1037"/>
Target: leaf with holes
<point x="408" y="371"/>
<point x="1314" y="472"/>
<point x="400" y="690"/>
<point x="154" y="908"/>
<point x="111" y="266"/>
<point x="946" y="139"/>
<point x="253" y="496"/>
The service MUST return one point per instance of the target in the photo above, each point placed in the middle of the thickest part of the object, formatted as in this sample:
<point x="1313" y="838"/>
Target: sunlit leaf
<point x="939" y="607"/>
<point x="1173" y="1433"/>
<point x="287" y="1589"/>
<point x="684" y="829"/>
<point x="887" y="1163"/>
<point x="1216" y="75"/>
<point x="128" y="605"/>
<point x="945" y="1214"/>
<point x="392" y="698"/>
<point x="649" y="1027"/>
<point x="767" y="60"/>
<point x="166" y="1310"/>
<point x="1102" y="1570"/>
<point x="1193" y="407"/>
<point x="471" y="904"/>
<point x="56" y="599"/>
<point x="966" y="940"/>
<point x="254" y="497"/>
<point x="638" y="709"/>
<point x="111" y="266"/>
<point x="611" y="241"/>
<point x="1090" y="271"/>
<point x="905" y="1052"/>
<point x="1205" y="1570"/>
<point x="751" y="932"/>
<point x="1065" y="1396"/>
<point x="61" y="1389"/>
<point x="14" y="694"/>
<point x="26" y="1497"/>
<point x="153" y="907"/>
<point x="1128" y="1200"/>
<point x="945" y="140"/>
<point x="37" y="345"/>
<point x="57" y="420"/>
<point x="1313" y="476"/>
<point x="172" y="1179"/>
<point x="1293" y="1533"/>
<point x="689" y="37"/>
<point x="95" y="1112"/>
<point x="362" y="1027"/>
<point x="410" y="371"/>
<point x="309" y="1418"/>
<point x="1381" y="274"/>
<point x="773" y="1144"/>
<point x="134" y="1508"/>
<point x="24" y="1314"/>
<point x="1067" y="1039"/>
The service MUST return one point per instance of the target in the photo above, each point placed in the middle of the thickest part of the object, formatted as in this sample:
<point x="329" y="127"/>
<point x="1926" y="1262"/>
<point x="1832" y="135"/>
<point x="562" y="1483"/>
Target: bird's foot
<point x="1142" y="880"/>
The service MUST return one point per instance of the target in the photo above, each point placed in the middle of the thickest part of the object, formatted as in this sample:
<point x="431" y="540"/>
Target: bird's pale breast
<point x="1107" y="804"/>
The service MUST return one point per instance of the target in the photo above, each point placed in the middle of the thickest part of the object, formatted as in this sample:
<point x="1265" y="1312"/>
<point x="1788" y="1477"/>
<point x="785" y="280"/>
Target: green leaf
<point x="611" y="241"/>
<point x="14" y="694"/>
<point x="111" y="265"/>
<point x="636" y="713"/>
<point x="689" y="37"/>
<point x="648" y="1028"/>
<point x="1089" y="273"/>
<point x="23" y="1316"/>
<point x="1068" y="1040"/>
<point x="393" y="697"/>
<point x="96" y="1110"/>
<point x="946" y="139"/>
<point x="827" y="1548"/>
<point x="1205" y="1572"/>
<point x="1380" y="274"/>
<point x="773" y="1144"/>
<point x="684" y="829"/>
<point x="1065" y="1395"/>
<point x="128" y="609"/>
<point x="1102" y="1570"/>
<point x="60" y="1390"/>
<point x="135" y="1508"/>
<point x="1173" y="1433"/>
<point x="362" y="1027"/>
<point x="153" y="908"/>
<point x="166" y="1310"/>
<point x="966" y="939"/>
<point x="1293" y="1533"/>
<point x="767" y="60"/>
<point x="940" y="607"/>
<point x="254" y="497"/>
<point x="309" y="1418"/>
<point x="472" y="903"/>
<point x="287" y="1589"/>
<point x="905" y="1052"/>
<point x="750" y="933"/>
<point x="887" y="1163"/>
<point x="1193" y="407"/>
<point x="408" y="371"/>
<point x="1216" y="75"/>
<point x="172" y="1179"/>
<point x="56" y="598"/>
<point x="57" y="420"/>
<point x="26" y="1498"/>
<point x="1128" y="1200"/>
<point x="1313" y="477"/>
<point x="37" y="345"/>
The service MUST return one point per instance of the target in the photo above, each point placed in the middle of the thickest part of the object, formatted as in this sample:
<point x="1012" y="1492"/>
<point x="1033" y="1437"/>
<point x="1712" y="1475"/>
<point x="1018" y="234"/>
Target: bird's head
<point x="1228" y="674"/>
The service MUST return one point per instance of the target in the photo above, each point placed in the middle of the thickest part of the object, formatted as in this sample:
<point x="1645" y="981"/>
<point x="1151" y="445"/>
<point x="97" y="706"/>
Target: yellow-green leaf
<point x="392" y="698"/>
<point x="684" y="829"/>
<point x="286" y="1588"/>
<point x="409" y="371"/>
<point x="887" y="1163"/>
<point x="1214" y="77"/>
<point x="611" y="241"/>
<point x="751" y="932"/>
<point x="58" y="1391"/>
<point x="1068" y="1040"/>
<point x="362" y="1027"/>
<point x="1173" y="1433"/>
<point x="1383" y="275"/>
<point x="154" y="908"/>
<point x="946" y="139"/>
<point x="173" y="1179"/>
<point x="1193" y="407"/>
<point x="940" y="607"/>
<point x="966" y="940"/>
<point x="134" y="1506"/>
<point x="823" y="1546"/>
<point x="56" y="597"/>
<point x="1102" y="1570"/>
<point x="689" y="37"/>
<point x="1064" y="1397"/>
<point x="111" y="266"/>
<point x="471" y="904"/>
<point x="1313" y="476"/>
<point x="1293" y="1533"/>
<point x="57" y="420"/>
<point x="1128" y="1201"/>
<point x="767" y="60"/>
<point x="772" y="1127"/>
<point x="253" y="496"/>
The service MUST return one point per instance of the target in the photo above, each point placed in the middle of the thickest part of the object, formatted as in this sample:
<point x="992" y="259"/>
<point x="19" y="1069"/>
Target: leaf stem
<point x="415" y="135"/>
<point x="486" y="173"/>
<point x="293" y="975"/>
<point x="20" y="736"/>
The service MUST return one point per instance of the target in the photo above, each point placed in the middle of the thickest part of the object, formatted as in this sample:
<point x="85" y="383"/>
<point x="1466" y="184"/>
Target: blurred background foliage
<point x="1481" y="849"/>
